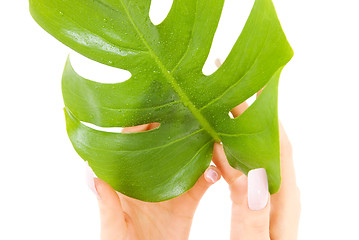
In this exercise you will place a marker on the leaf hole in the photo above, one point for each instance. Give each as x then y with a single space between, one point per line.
231 23
240 109
96 71
139 128
103 129
231 114
159 10
251 100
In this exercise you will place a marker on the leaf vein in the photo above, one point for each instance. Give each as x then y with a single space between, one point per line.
190 161
196 113
140 109
234 156
240 134
106 40
189 44
239 80
141 150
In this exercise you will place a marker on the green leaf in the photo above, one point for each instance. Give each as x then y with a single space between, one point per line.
167 86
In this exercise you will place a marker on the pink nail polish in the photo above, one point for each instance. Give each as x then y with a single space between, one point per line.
211 175
90 179
257 189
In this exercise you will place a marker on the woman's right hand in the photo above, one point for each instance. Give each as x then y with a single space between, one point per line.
255 214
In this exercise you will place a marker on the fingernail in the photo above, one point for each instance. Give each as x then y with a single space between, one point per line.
257 189
90 179
211 176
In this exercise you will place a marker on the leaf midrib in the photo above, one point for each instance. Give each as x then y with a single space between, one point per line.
145 149
196 113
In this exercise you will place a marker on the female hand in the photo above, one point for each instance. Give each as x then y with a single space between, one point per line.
255 214
127 218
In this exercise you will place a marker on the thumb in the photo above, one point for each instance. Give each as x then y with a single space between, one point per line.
251 207
113 221
208 178
187 203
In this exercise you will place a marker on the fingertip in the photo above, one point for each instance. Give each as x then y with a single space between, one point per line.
219 157
238 110
251 192
207 179
153 125
259 92
91 180
99 186
113 217
105 191
258 194
250 209
212 174
139 128
102 190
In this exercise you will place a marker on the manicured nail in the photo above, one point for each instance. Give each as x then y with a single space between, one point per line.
90 179
211 176
257 189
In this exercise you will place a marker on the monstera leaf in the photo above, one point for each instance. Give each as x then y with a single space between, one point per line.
167 86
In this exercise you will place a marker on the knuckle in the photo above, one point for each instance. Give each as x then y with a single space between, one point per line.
258 225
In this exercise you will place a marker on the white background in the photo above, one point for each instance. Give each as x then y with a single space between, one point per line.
42 189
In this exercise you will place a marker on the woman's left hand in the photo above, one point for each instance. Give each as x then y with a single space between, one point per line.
127 218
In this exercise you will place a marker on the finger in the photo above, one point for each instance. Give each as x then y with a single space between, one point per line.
236 111
251 207
219 158
259 92
286 202
286 158
208 178
186 204
139 128
153 126
113 221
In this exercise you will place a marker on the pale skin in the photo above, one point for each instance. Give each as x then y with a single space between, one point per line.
124 218
280 218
